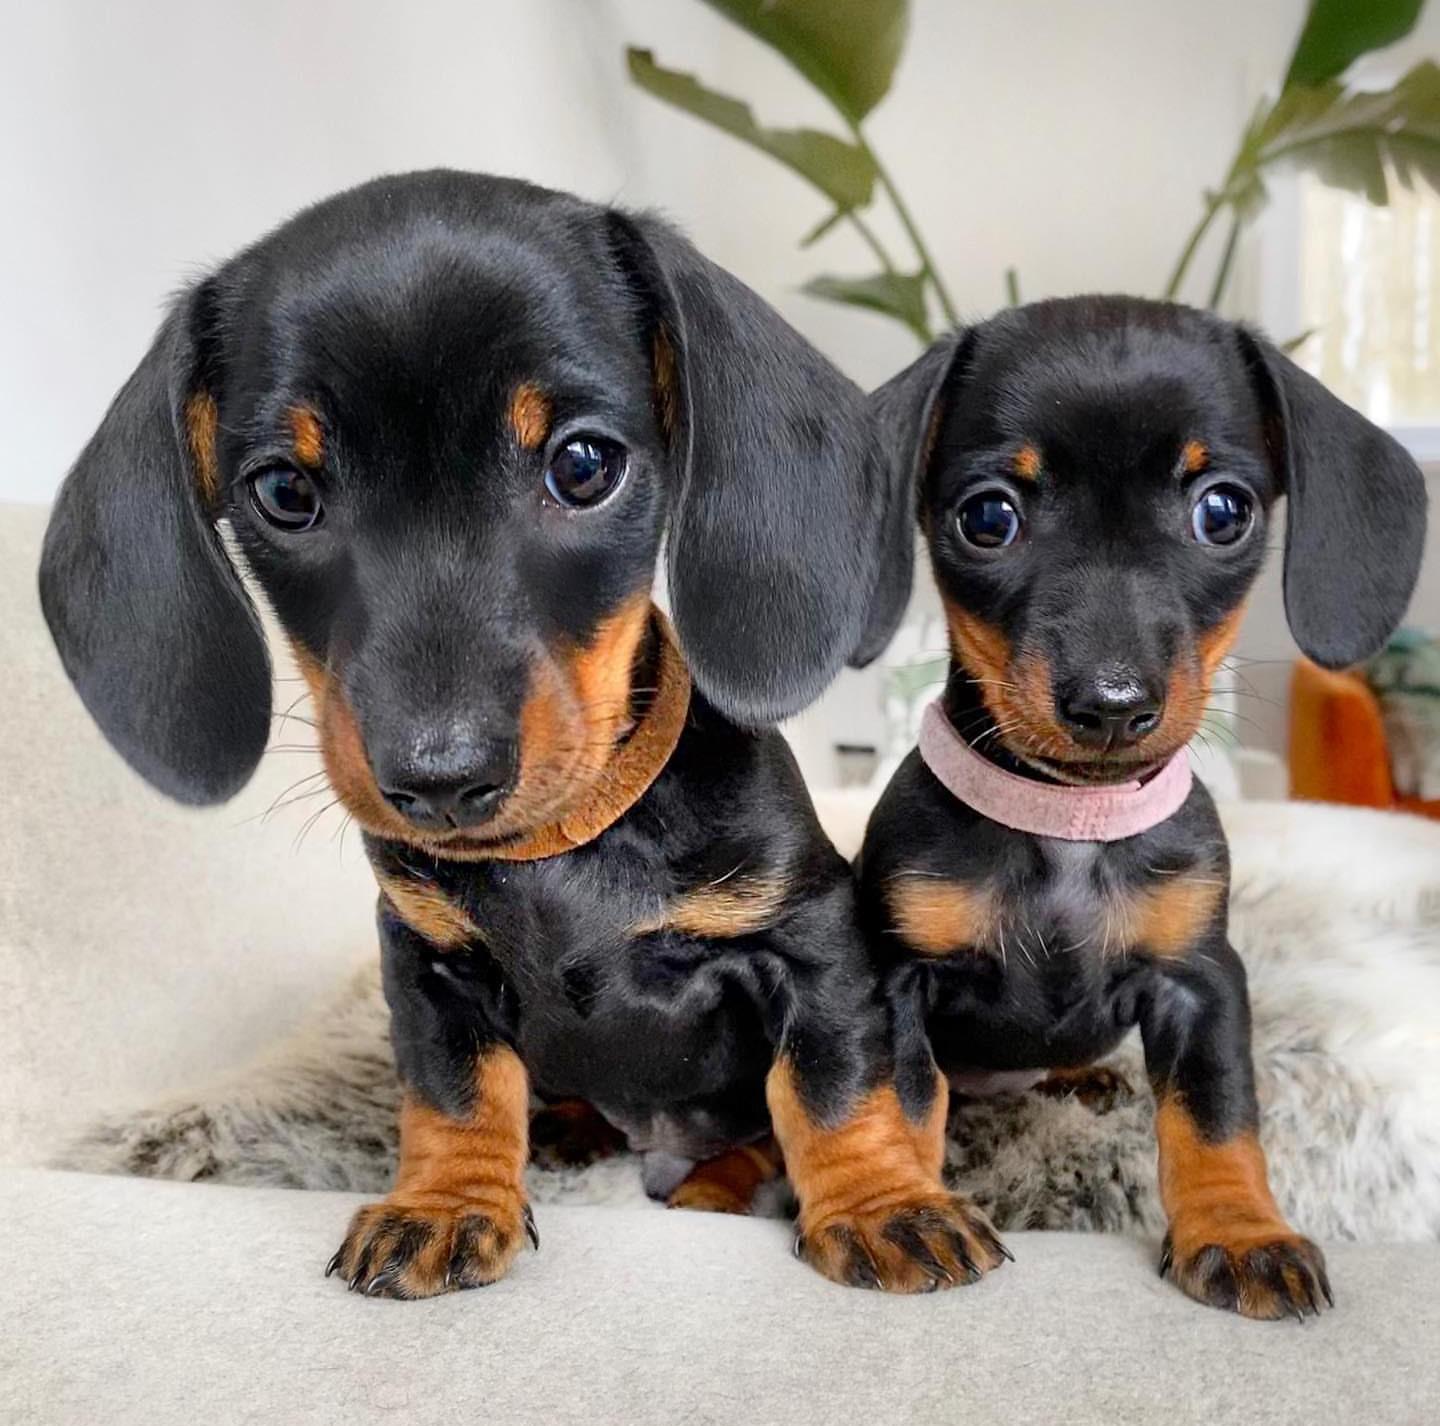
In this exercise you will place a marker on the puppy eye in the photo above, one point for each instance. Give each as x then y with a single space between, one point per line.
989 520
586 471
1222 515
286 498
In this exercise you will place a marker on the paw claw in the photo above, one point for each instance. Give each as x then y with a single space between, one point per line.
358 1274
531 1231
382 1281
1284 1277
937 1242
417 1247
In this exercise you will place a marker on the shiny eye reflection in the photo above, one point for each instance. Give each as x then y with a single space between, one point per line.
1222 516
989 520
586 471
286 498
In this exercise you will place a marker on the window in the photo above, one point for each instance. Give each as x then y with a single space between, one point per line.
1364 282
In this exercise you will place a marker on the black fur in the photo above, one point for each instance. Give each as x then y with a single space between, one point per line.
669 1035
1108 392
405 289
186 701
400 320
1356 528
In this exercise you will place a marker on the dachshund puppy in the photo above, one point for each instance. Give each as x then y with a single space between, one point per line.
1095 478
448 419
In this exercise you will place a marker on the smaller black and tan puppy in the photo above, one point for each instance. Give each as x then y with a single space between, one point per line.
449 420
1094 478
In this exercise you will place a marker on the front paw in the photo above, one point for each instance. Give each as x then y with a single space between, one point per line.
925 1241
1260 1274
420 1245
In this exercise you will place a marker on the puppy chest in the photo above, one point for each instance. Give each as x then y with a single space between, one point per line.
1067 900
614 1004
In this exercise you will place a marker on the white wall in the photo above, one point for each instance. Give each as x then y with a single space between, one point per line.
141 142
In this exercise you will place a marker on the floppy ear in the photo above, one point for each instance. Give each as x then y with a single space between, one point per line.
904 413
772 561
1355 530
149 617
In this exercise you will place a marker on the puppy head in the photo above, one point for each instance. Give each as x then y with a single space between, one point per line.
1095 479
449 420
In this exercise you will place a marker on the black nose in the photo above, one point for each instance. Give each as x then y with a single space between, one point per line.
1112 710
457 784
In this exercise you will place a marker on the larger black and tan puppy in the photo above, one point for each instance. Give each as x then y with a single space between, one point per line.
1094 478
448 419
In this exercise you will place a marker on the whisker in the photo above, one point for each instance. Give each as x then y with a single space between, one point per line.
1229 713
339 832
290 711
292 801
1250 693
734 870
310 822
283 798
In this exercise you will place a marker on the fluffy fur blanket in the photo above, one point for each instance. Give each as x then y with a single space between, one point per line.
1341 934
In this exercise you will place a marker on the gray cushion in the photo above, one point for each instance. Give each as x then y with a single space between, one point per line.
127 1300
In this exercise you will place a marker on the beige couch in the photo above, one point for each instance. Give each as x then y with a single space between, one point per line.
142 947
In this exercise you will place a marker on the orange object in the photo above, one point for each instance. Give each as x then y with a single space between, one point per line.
1337 743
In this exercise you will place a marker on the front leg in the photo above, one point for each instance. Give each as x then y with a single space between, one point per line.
457 1216
873 1209
1227 1243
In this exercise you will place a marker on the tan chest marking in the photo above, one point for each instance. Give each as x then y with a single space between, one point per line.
938 917
428 912
722 911
1169 918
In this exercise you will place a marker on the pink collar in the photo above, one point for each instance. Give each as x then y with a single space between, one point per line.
1075 814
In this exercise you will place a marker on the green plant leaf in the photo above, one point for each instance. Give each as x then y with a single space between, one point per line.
1356 140
895 294
822 227
1338 32
842 171
847 49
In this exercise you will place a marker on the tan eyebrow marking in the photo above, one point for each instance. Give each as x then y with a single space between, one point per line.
667 385
309 436
529 414
201 421
1194 457
1027 462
